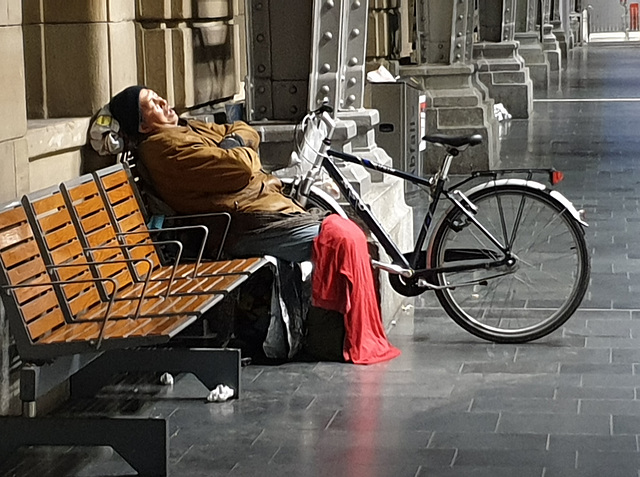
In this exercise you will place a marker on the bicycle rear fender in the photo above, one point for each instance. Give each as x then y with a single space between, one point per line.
561 199
323 198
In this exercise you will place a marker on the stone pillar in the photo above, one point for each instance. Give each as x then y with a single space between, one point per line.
444 47
499 65
529 37
14 161
337 76
549 42
561 28
388 36
334 32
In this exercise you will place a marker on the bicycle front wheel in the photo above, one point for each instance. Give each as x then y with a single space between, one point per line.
523 302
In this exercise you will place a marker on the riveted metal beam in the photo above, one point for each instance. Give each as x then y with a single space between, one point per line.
353 48
324 77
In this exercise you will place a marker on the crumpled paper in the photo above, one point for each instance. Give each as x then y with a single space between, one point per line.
381 75
500 112
221 393
166 379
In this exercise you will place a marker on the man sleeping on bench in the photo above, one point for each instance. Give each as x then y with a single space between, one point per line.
199 167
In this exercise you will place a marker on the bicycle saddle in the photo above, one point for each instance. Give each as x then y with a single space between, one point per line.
454 141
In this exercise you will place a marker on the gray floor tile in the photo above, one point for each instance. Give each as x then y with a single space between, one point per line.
494 441
564 424
582 444
514 458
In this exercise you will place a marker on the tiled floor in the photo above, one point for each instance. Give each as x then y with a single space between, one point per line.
453 405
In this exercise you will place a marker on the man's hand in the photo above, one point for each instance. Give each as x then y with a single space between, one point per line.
231 140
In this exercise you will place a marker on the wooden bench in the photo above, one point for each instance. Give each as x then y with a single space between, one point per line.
42 334
112 226
65 257
83 307
62 248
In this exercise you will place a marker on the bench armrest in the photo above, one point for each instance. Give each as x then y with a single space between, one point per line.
113 295
225 215
82 280
175 242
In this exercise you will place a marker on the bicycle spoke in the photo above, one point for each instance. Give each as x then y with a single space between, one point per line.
549 224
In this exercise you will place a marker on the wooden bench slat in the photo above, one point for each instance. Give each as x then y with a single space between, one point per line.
83 191
73 332
26 271
61 236
45 323
32 309
48 204
10 218
38 286
115 179
101 237
94 222
120 310
118 194
108 253
54 220
111 269
154 288
78 286
27 250
141 251
86 207
126 208
67 252
128 328
69 272
164 327
117 330
151 326
139 235
83 301
133 223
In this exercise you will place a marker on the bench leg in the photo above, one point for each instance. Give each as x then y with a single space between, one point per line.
210 366
143 443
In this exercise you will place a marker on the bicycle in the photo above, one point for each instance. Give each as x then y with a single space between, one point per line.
507 260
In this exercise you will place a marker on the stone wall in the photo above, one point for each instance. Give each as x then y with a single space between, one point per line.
187 50
13 147
77 54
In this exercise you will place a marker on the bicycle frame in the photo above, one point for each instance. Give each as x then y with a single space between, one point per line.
364 212
408 264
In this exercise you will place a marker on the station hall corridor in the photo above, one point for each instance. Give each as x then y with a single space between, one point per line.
451 405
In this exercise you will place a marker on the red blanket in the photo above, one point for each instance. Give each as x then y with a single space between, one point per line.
343 281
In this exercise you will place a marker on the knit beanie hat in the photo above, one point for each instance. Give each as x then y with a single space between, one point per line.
125 107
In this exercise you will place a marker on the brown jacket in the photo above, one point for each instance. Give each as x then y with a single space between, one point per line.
193 175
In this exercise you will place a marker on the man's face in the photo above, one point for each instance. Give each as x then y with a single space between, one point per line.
156 113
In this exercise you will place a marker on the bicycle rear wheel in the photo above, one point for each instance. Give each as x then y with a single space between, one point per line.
534 297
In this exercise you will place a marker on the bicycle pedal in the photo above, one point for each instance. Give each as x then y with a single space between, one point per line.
424 283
